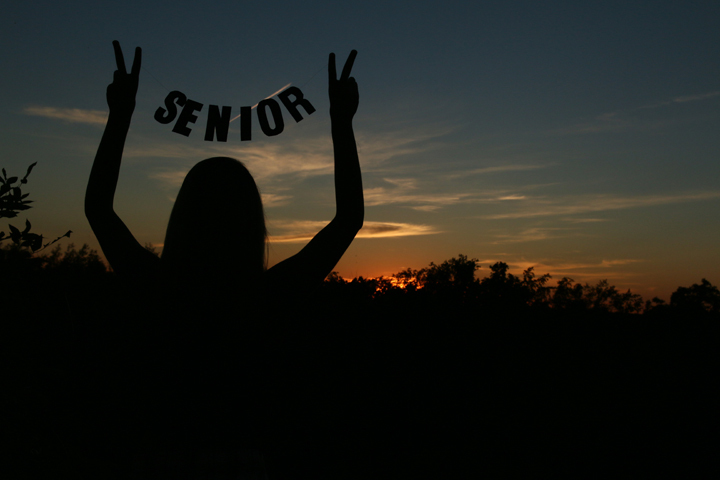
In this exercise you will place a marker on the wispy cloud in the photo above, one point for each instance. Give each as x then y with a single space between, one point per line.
603 264
170 177
587 272
387 196
274 165
174 150
299 159
377 148
530 235
622 119
694 98
383 230
174 178
411 193
288 160
500 169
680 99
579 272
75 115
266 162
540 207
606 122
305 230
584 220
270 200
427 208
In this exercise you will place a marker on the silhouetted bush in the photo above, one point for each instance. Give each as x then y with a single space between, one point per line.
12 201
701 298
454 282
426 374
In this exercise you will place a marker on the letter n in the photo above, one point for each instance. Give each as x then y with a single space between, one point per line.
218 124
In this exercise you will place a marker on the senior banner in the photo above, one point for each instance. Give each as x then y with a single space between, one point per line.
219 118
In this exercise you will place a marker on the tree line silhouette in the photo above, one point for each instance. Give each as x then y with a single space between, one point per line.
429 372
453 280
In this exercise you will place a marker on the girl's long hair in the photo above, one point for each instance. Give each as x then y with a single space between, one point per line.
217 225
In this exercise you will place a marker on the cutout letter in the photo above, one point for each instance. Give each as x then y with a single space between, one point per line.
245 123
187 116
171 111
299 100
276 114
217 123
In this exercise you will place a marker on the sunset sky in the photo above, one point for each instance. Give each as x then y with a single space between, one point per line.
582 138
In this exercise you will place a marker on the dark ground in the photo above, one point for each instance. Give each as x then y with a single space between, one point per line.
92 387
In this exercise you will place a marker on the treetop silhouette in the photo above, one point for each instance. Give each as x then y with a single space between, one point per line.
454 281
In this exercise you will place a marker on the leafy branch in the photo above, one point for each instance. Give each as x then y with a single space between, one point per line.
12 201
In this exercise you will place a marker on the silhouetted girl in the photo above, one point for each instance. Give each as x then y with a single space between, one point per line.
218 203
219 195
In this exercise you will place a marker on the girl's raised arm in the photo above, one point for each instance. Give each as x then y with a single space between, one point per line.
122 251
319 257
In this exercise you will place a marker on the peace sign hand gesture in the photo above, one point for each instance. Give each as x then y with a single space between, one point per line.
344 95
121 92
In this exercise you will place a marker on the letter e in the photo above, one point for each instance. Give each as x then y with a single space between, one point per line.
187 116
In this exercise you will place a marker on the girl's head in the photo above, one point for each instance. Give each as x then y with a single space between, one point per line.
217 225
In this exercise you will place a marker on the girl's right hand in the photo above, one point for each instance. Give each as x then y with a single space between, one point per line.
344 95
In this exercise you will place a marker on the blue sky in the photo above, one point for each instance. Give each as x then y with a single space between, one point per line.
576 137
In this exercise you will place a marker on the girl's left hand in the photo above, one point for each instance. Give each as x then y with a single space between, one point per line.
121 92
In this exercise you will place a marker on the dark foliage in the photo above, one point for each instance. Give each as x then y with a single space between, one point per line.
12 201
697 298
454 280
432 373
